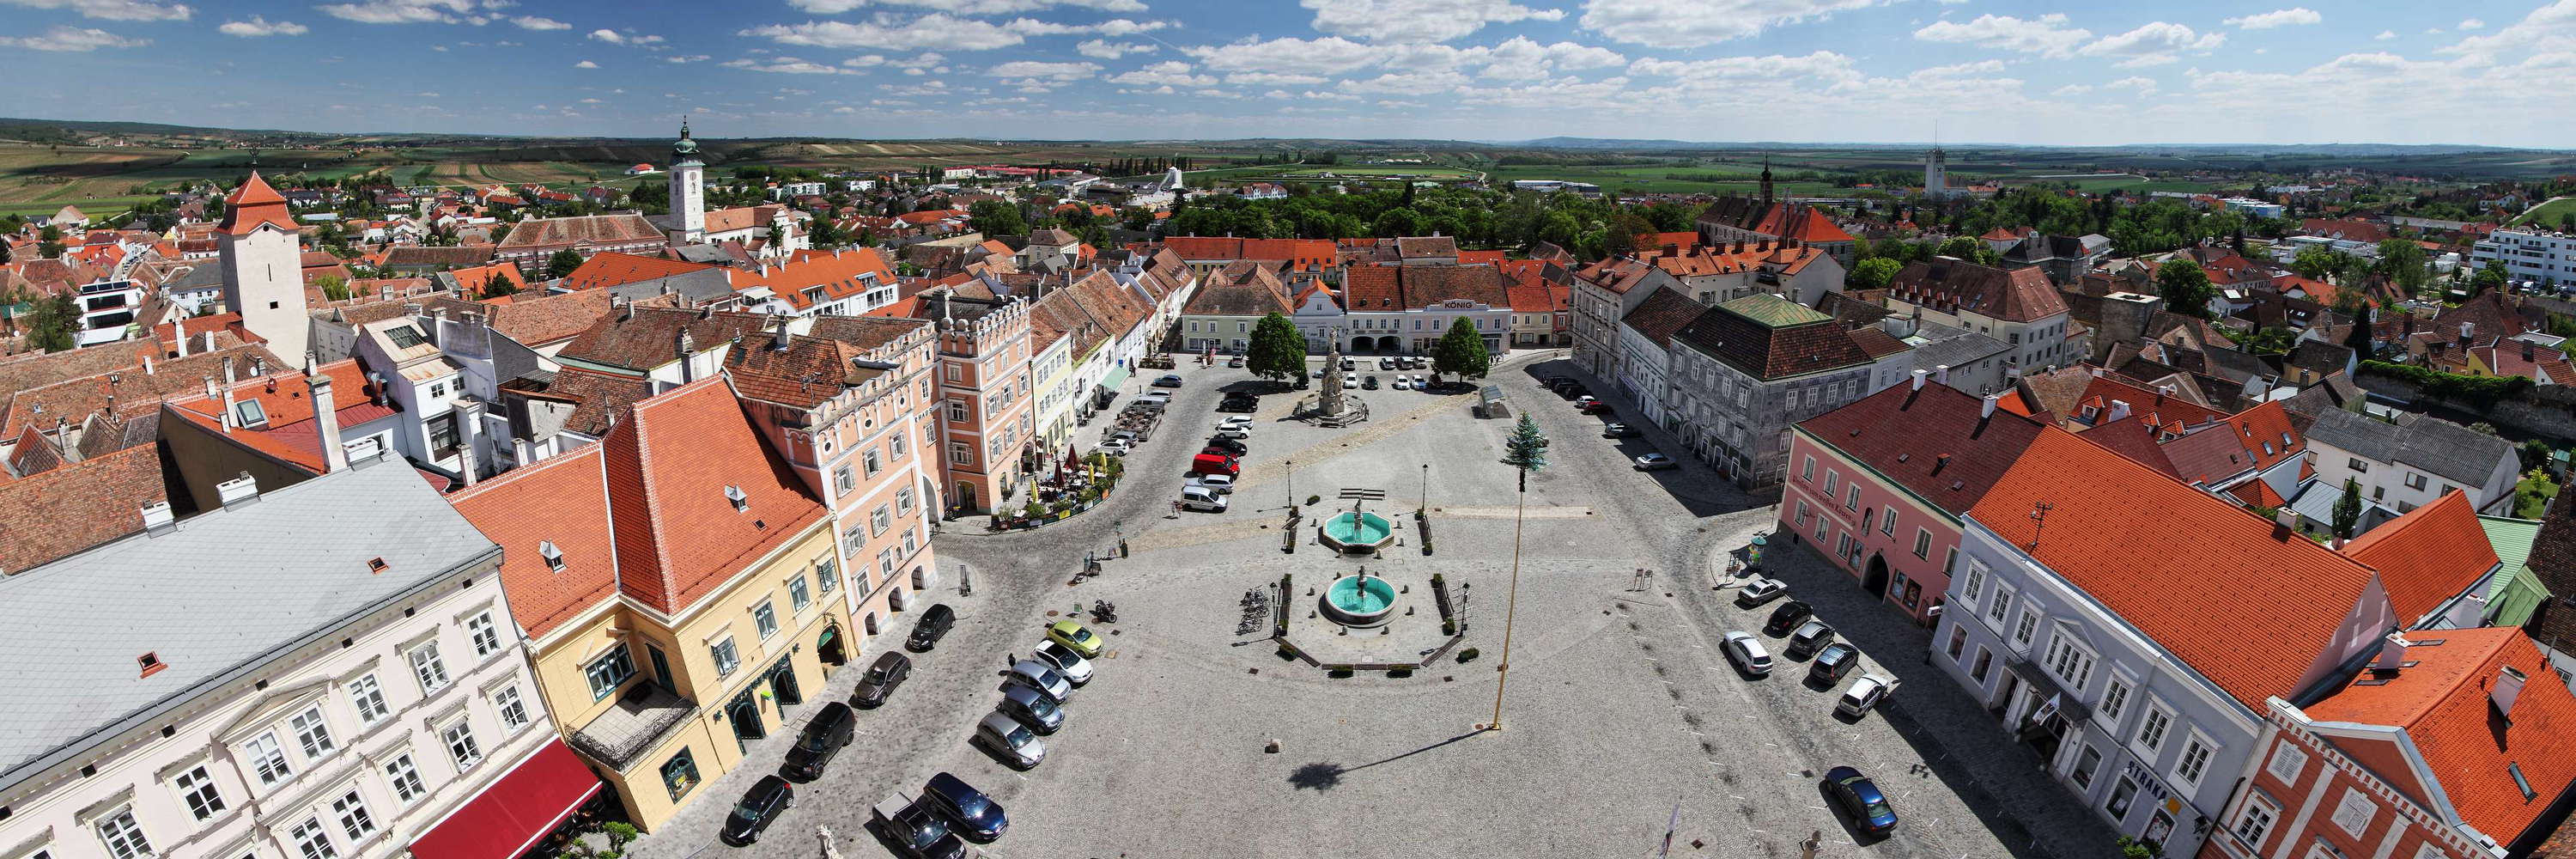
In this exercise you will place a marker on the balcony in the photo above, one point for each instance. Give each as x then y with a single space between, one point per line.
642 717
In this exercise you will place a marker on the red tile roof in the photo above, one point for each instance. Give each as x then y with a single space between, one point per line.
2426 557
669 462
839 273
562 500
2443 701
1936 442
254 204
2012 295
76 505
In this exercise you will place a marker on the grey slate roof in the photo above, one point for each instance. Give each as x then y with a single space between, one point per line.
224 593
2455 452
1957 347
701 286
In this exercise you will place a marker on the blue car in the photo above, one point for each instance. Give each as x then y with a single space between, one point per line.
1861 799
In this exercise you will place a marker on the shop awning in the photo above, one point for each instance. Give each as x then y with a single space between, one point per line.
1115 376
515 811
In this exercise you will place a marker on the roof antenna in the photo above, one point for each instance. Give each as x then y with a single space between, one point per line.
2039 520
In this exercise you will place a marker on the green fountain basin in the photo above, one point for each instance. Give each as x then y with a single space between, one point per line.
1358 532
1359 602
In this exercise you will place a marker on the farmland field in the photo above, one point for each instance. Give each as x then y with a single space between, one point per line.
2547 214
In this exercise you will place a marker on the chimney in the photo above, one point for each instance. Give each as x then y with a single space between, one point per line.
228 420
183 339
157 518
1941 374
2508 686
2468 331
238 491
1918 378
2285 523
2119 410
1989 410
147 359
2526 352
2392 653
1671 249
778 340
326 416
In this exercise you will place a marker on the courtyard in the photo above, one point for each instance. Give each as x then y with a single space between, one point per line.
1621 721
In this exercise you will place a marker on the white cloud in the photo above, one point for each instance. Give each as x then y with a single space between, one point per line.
2143 86
785 66
2277 18
2385 35
1412 82
258 26
686 58
972 7
1271 79
1216 93
1108 50
607 35
1045 70
1330 55
2551 25
1170 72
2047 35
1691 23
2472 24
585 64
2070 90
407 11
1418 20
114 10
536 22
1115 27
884 32
2153 44
72 40
864 61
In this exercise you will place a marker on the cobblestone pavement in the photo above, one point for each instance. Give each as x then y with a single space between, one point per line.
1621 720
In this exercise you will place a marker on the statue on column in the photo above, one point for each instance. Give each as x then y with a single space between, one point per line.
1329 404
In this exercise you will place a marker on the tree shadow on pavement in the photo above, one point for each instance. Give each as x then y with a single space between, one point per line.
1326 775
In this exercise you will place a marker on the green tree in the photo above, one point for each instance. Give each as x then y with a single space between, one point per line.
2491 277
52 326
996 218
1972 249
1526 449
1873 273
2403 261
333 287
1275 351
49 249
2316 262
1461 351
500 285
562 263
2185 288
2347 510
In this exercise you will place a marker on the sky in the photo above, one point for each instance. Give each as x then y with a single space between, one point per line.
1889 71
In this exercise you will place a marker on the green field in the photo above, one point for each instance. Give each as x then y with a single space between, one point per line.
2547 214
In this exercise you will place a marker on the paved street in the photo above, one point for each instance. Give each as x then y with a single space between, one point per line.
1622 718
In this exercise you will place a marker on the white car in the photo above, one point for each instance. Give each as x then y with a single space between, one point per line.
1222 484
1656 462
1115 446
1865 694
1075 669
1747 653
1761 590
1350 380
1401 383
1235 421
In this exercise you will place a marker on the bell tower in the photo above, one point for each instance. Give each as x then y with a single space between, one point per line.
263 267
688 190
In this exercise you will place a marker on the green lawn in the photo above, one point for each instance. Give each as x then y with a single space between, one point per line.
2547 214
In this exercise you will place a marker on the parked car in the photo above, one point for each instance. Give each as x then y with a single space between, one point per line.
920 832
823 738
1861 799
1386 363
889 671
760 805
1242 404
1585 400
1032 707
1761 590
1597 407
1009 740
969 812
1656 462
1202 499
1115 446
1168 380
1748 654
1833 662
1615 429
1234 431
1039 676
1217 483
1810 636
1073 635
1319 372
1066 662
1787 617
1236 361
1348 364
1227 445
1216 463
1368 384
1865 694
1401 383
1235 421
1156 400
932 627
1350 380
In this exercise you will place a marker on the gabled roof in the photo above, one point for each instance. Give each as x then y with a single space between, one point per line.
2428 556
2443 700
1767 337
540 320
584 229
562 500
840 274
669 464
647 337
610 268
1950 283
1663 312
2455 452
255 204
1935 441
77 505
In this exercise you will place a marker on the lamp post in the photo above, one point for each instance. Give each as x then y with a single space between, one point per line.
1511 600
1292 484
1426 488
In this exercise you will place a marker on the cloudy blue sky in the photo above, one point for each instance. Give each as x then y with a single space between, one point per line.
2500 73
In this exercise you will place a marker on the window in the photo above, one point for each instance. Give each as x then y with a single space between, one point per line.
369 698
827 573
2414 481
1802 514
2354 812
2429 851
956 411
885 565
1985 660
1833 482
2114 700
1807 471
198 788
679 774
2022 631
267 758
1976 581
868 460
765 619
480 630
1950 561
2070 660
879 520
797 596
2356 464
609 670
2256 821
461 745
1887 526
426 666
726 657
514 712
1923 543
124 838
310 840
961 453
842 480
2151 732
1958 640
442 434
1851 496
405 779
2195 759
2121 796
312 733
894 448
903 501
2087 762
354 819
2001 606
2287 760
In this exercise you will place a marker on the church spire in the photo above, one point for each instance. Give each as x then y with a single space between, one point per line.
1766 178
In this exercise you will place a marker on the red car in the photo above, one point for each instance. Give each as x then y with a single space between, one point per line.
1596 407
1216 463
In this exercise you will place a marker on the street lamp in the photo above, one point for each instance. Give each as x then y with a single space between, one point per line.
1511 598
1292 484
1426 488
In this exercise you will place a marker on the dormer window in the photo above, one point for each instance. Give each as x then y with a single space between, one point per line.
250 414
740 501
150 662
553 554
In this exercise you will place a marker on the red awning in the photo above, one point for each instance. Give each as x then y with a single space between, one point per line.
522 806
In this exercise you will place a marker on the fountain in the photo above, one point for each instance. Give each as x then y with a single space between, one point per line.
1357 532
1359 600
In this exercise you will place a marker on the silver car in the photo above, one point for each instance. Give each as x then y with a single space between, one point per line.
1066 662
1042 678
1865 694
1031 707
1013 742
1748 654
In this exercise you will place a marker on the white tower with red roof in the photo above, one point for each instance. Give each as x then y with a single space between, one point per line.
263 267
688 224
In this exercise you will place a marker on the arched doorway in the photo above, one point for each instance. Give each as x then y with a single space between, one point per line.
829 649
1875 581
1388 344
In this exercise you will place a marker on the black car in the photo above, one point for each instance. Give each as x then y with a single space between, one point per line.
1833 662
932 627
970 813
1787 617
1169 380
1810 637
823 738
1230 446
1245 405
760 805
888 672
1368 384
922 833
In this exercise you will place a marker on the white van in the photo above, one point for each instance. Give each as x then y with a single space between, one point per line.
1203 498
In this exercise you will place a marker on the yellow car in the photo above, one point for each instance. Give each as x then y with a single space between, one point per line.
1073 635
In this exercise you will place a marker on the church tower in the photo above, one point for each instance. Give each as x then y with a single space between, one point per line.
688 190
263 267
1936 174
1766 179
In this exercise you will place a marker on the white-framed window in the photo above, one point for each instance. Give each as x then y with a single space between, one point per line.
2354 812
1958 641
609 670
842 480
895 447
428 668
798 595
480 630
2122 796
1976 581
123 836
827 573
2287 762
513 709
2152 729
2428 851
2255 821
765 619
727 659
311 840
903 501
405 779
1923 543
267 758
879 520
351 809
2195 759
312 733
2001 606
961 453
2069 659
2028 627
2114 699
1807 471
2087 762
1851 496
461 746
368 697
1833 482
1802 514
197 787
1887 526
956 409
